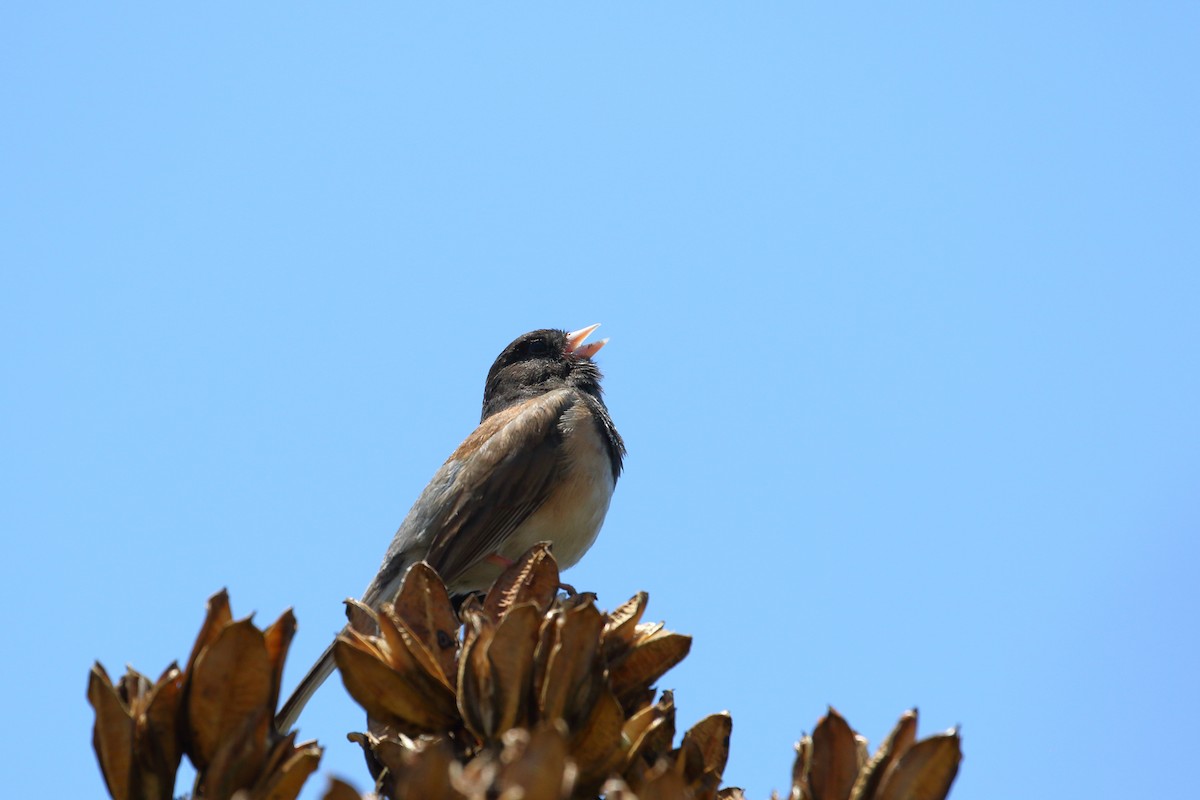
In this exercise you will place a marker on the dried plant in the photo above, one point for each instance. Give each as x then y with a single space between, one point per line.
218 711
832 763
528 665
524 693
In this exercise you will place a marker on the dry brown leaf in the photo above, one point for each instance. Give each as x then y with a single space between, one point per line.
510 658
217 616
897 742
373 645
596 745
688 761
925 771
133 688
834 758
238 757
535 764
424 606
229 683
156 741
547 637
573 645
661 734
278 638
112 736
390 646
533 578
663 782
424 772
475 679
408 656
645 663
801 789
360 617
340 790
387 695
711 737
636 725
286 781
621 625
654 742
279 753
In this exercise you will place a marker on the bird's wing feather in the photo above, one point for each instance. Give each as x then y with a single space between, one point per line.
497 478
507 474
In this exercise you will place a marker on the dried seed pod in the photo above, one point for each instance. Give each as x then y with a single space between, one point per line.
278 638
228 688
361 618
533 578
834 758
897 742
621 624
542 697
408 655
340 790
709 739
650 732
393 697
536 765
475 675
217 616
663 781
924 771
510 657
801 767
287 768
569 648
424 769
135 735
496 669
653 652
596 744
424 607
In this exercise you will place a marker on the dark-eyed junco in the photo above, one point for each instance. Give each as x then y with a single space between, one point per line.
541 466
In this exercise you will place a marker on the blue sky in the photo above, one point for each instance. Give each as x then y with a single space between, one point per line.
904 316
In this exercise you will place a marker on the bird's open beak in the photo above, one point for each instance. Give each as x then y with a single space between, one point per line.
576 347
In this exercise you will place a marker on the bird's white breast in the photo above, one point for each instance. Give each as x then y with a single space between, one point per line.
571 517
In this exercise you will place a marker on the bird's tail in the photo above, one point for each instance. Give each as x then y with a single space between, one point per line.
308 686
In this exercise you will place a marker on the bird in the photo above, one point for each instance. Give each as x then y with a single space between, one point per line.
540 467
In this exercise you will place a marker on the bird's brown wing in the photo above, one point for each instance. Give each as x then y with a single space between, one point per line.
506 470
500 475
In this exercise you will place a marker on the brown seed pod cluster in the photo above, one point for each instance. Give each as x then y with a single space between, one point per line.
533 684
524 693
219 711
833 763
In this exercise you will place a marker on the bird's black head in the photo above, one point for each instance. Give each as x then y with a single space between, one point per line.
539 362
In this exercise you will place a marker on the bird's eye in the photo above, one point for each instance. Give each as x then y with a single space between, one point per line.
538 347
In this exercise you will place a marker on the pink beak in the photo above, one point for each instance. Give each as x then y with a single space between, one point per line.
576 347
